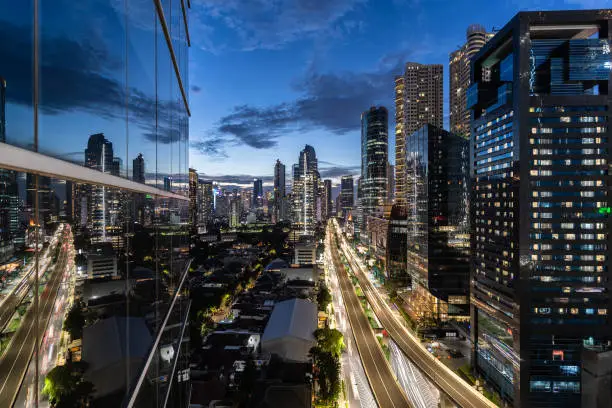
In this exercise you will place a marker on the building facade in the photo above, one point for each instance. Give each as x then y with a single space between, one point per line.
347 195
438 229
305 191
459 78
70 132
540 150
419 100
374 160
279 193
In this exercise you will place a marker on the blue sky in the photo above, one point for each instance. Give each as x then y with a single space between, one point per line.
269 76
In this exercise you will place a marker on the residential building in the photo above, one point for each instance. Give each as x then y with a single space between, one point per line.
374 161
438 228
280 193
205 202
459 78
419 100
539 210
74 131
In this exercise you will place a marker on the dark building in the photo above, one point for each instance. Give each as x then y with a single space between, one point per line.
205 202
397 245
99 153
2 110
167 183
138 169
374 160
438 230
193 198
279 210
45 197
540 153
347 194
327 197
257 193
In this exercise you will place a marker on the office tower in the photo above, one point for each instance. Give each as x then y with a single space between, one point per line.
138 169
347 195
459 78
304 192
327 198
168 183
438 229
390 183
397 245
279 192
418 101
257 193
540 155
374 161
45 198
193 198
2 110
205 202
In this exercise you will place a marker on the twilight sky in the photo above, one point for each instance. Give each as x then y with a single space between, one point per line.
268 76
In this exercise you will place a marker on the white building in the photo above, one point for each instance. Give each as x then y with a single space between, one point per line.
289 332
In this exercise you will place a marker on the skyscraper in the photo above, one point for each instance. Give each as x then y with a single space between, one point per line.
193 197
459 78
257 193
438 230
540 155
2 110
347 195
304 192
374 160
419 101
327 198
205 202
390 183
138 169
280 193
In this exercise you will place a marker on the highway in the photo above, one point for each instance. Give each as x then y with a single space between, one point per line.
450 383
15 360
387 391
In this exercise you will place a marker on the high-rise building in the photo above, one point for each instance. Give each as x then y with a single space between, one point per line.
2 110
347 195
540 268
205 202
168 183
374 160
193 197
459 78
305 191
235 211
138 169
280 193
419 100
397 245
327 198
438 229
257 193
390 183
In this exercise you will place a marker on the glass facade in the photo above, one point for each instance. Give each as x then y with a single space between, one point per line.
95 112
438 229
539 276
374 159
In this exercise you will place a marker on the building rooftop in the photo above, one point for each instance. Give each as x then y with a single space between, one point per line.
292 318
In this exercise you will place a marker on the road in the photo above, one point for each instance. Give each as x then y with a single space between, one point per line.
386 390
458 390
15 361
357 388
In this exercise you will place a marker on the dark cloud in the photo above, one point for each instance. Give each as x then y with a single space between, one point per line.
331 102
214 147
272 24
80 76
338 171
195 89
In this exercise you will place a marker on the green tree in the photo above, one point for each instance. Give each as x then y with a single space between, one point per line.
324 297
329 341
75 320
65 386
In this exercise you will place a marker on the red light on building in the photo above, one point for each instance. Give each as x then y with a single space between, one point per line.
558 355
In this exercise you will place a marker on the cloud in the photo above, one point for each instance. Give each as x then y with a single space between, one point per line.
331 102
195 89
214 147
338 171
265 24
243 180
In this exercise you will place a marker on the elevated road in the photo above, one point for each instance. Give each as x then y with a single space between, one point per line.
16 359
445 379
387 391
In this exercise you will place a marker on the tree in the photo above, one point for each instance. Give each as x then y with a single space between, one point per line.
329 341
65 386
75 320
324 297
